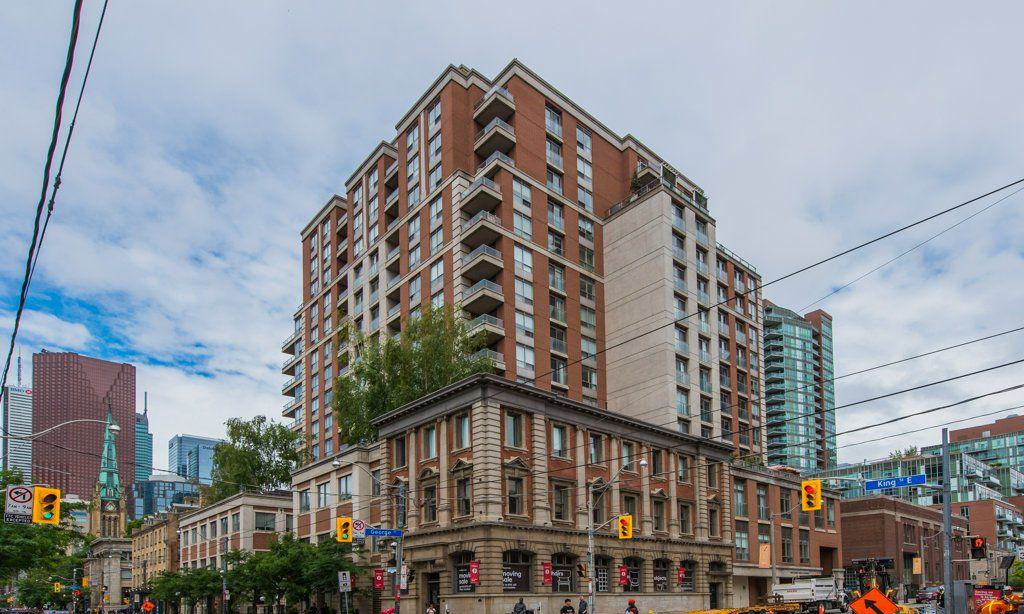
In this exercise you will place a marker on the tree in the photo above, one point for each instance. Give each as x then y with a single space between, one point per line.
325 560
132 525
1016 575
259 455
905 453
434 350
200 584
28 546
168 587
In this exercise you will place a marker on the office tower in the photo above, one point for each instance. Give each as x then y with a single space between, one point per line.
799 389
69 387
191 456
16 419
143 447
554 235
161 492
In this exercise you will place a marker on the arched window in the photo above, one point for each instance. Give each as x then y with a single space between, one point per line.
634 570
661 571
563 573
603 573
460 567
688 582
515 571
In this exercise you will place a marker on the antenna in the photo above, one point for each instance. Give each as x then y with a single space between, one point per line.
145 403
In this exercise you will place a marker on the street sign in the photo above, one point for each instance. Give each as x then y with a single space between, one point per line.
1020 553
371 532
18 506
358 529
897 482
874 602
344 582
147 606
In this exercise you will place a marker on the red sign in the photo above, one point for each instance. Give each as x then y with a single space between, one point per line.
983 595
147 606
474 572
680 575
623 575
378 579
546 571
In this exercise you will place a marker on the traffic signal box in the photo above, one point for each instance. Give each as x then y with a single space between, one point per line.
810 495
56 587
46 505
343 526
979 547
626 526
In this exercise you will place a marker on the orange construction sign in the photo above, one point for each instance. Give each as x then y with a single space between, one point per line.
874 602
147 606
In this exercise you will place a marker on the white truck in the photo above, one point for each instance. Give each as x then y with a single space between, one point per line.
811 593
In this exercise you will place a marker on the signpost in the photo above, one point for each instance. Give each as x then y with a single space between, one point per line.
345 584
874 602
897 482
358 529
18 507
372 532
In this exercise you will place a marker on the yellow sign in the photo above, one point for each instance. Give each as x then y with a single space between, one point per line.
85 582
874 602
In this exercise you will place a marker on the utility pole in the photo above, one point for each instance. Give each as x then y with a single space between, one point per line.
947 524
398 575
590 549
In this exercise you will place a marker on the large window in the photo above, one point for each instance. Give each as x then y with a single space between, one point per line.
515 495
742 541
430 442
561 497
559 441
461 431
634 569
264 521
658 513
303 501
739 488
595 451
686 519
400 457
661 574
430 502
463 495
513 429
689 584
515 571
460 565
563 573
345 487
553 120
524 357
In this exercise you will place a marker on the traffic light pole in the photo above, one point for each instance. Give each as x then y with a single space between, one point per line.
590 550
947 525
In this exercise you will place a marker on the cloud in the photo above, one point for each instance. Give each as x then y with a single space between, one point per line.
46 330
205 144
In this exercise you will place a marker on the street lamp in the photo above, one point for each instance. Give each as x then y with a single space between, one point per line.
112 427
590 532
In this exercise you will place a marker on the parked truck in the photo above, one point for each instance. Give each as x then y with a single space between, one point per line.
812 594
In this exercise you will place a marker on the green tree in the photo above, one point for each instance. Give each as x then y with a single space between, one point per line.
132 525
201 584
434 350
1016 575
324 562
28 546
259 455
168 587
35 590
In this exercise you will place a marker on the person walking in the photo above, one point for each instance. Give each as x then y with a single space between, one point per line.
631 607
567 608
519 608
584 607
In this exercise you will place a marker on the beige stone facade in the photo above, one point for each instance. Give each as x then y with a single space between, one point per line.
154 549
245 521
108 565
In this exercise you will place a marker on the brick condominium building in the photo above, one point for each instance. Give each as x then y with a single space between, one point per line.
556 236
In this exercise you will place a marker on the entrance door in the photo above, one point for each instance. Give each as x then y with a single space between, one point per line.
716 591
433 589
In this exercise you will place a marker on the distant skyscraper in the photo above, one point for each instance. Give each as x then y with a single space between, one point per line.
16 419
67 386
143 447
161 491
801 401
191 456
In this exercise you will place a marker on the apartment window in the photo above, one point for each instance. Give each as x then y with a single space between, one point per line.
589 379
554 181
553 120
463 496
524 357
586 199
371 180
657 463
414 255
785 505
524 291
430 503
586 258
559 441
588 318
413 174
522 225
584 171
554 153
556 215
742 541
434 116
236 518
524 324
373 235
437 299
658 512
556 243
414 229
436 271
595 448
412 139
712 475
414 290
588 347
430 442
683 470
516 494
630 505
434 151
436 210
560 496
434 179
763 511
588 289
557 310
264 521
224 525
521 193
685 519
400 457
513 430
805 546
436 239
345 487
627 456
714 522
830 512
523 259
683 404
583 144
558 371
739 492
586 229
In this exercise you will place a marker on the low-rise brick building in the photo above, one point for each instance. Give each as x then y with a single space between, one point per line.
886 527
1001 523
154 550
775 541
245 521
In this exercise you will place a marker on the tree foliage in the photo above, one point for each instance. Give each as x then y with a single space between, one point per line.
259 455
434 350
30 546
908 452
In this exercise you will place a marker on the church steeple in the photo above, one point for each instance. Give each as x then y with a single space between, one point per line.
109 482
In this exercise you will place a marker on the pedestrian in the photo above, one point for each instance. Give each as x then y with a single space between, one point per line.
567 608
631 607
519 608
583 608
431 609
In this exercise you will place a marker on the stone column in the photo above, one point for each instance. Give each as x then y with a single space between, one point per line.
412 506
581 491
444 507
487 470
672 460
614 462
646 522
539 466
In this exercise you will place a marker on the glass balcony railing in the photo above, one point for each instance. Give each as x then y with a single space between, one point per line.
705 356
482 320
682 347
679 284
480 286
497 122
498 155
682 378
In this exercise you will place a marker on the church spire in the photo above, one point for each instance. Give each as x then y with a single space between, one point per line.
109 482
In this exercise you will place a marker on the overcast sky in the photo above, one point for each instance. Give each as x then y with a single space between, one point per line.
212 132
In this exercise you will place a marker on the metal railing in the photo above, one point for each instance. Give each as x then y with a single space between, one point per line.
491 93
483 320
483 216
480 286
497 122
483 250
497 155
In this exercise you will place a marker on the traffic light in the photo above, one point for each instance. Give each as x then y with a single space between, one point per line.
56 587
344 528
85 582
626 526
979 547
46 505
810 495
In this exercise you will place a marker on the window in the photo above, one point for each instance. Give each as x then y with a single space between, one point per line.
436 240
553 120
554 181
524 291
584 171
412 139
556 277
437 299
436 272
595 449
414 229
583 144
805 546
513 430
683 469
556 215
787 544
515 571
236 518
556 243
413 169
586 257
436 210
400 458
586 228
524 357
589 379
627 456
523 259
430 442
630 505
430 503
763 512
785 507
560 506
586 199
524 324
559 441
264 521
345 487
515 496
461 431
557 312
742 541
303 501
739 490
714 524
321 495
689 574
588 318
712 469
463 496
587 288
434 116
224 525
588 347
830 512
554 153
559 371
414 290
521 193
634 569
522 225
434 155
685 519
658 511
414 255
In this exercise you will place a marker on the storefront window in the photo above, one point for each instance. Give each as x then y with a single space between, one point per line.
688 585
563 578
515 571
634 568
661 567
460 564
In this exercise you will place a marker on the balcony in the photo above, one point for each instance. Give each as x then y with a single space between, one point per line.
704 327
497 102
705 356
291 406
482 229
679 223
559 346
292 383
290 341
703 298
289 363
496 358
481 195
703 239
724 354
679 284
391 175
682 378
648 171
705 386
482 263
482 297
702 268
393 253
498 135
682 347
491 159
489 326
679 253
722 275
296 424
394 310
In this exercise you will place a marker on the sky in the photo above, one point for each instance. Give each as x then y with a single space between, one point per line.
211 133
